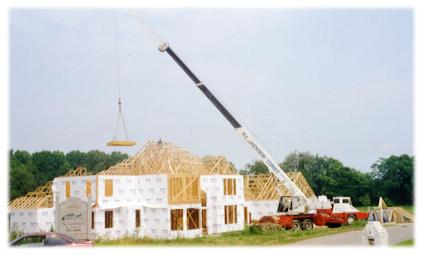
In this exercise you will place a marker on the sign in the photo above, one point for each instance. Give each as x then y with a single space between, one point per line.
73 218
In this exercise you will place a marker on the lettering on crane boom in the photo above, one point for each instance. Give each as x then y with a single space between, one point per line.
268 162
260 152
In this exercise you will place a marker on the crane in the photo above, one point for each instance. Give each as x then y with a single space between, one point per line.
296 210
304 204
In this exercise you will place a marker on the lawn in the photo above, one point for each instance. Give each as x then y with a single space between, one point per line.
409 242
408 208
251 235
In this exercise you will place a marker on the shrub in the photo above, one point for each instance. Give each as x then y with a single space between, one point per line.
364 200
14 234
271 227
254 229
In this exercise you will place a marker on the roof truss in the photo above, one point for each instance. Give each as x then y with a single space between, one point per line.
166 158
42 197
267 187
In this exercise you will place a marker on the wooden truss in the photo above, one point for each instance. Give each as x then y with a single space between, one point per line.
165 158
392 214
267 187
218 165
80 171
42 197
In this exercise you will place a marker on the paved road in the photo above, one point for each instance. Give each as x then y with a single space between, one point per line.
397 234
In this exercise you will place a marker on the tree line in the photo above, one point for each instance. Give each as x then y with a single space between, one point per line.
391 178
28 170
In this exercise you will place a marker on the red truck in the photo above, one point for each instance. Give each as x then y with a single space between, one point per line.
340 212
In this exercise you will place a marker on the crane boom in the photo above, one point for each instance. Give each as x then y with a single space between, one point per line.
248 137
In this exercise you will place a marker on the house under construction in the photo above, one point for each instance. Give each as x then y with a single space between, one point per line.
161 192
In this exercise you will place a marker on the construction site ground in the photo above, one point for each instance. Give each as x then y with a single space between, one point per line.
248 237
397 234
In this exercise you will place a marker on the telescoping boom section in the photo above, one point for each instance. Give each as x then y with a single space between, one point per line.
267 159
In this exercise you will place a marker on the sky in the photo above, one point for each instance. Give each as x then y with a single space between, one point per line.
332 82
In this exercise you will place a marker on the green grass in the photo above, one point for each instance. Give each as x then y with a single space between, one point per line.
409 242
408 208
363 208
251 236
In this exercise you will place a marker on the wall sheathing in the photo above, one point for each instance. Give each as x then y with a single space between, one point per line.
34 212
148 193
142 183
31 220
216 201
77 187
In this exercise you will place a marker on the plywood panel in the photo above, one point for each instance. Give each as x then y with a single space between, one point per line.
184 189
108 191
68 189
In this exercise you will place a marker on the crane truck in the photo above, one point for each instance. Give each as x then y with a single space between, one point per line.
296 211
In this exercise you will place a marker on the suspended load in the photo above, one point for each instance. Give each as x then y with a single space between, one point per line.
121 143
115 141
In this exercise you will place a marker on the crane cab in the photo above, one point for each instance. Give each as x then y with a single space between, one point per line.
291 205
342 200
342 204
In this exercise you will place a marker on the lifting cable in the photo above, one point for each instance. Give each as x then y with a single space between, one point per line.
120 113
152 35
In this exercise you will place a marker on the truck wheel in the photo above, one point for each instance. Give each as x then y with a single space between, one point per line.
296 225
351 219
307 224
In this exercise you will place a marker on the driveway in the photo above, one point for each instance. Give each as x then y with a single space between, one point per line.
397 234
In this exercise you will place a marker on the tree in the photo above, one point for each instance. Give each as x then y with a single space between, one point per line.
310 166
28 171
393 178
365 200
49 165
21 157
116 157
256 167
21 181
328 176
76 159
96 161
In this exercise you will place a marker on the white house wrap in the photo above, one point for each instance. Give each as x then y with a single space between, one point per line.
161 192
